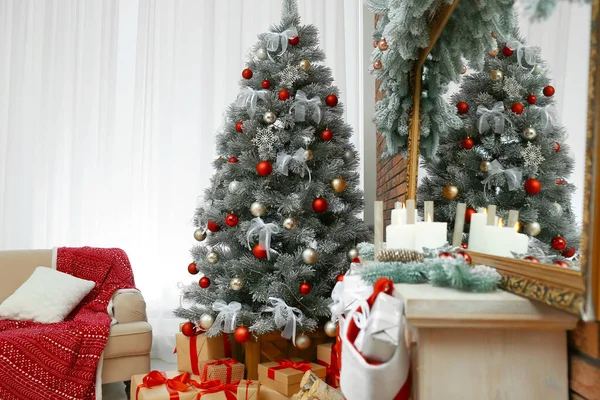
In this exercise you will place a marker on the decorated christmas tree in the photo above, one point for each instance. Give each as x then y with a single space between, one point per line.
279 223
510 152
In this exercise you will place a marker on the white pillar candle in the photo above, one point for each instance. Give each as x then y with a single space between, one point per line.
430 234
504 241
399 216
476 239
400 237
459 224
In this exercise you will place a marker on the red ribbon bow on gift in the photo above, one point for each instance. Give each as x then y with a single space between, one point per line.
216 386
227 363
333 373
180 383
283 364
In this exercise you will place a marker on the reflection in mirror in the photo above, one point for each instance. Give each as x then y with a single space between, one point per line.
517 160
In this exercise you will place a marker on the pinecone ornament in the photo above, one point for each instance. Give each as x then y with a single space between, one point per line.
399 255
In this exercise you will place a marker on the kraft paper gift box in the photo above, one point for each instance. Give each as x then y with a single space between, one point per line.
242 390
329 359
284 376
272 394
226 370
192 350
161 385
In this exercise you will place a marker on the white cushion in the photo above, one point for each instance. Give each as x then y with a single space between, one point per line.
47 296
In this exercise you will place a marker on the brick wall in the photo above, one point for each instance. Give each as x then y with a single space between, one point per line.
584 361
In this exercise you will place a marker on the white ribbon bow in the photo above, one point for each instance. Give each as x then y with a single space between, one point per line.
301 103
274 38
548 115
225 320
257 225
514 176
284 160
497 112
249 98
527 52
337 304
285 315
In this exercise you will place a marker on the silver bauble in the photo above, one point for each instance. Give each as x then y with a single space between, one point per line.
496 75
302 342
236 284
349 155
484 166
556 210
234 186
269 117
352 254
533 229
310 256
529 133
538 70
330 328
206 321
212 258
261 54
257 209
289 223
304 65
200 234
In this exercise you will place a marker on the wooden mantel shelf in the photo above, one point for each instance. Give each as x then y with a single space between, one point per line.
434 307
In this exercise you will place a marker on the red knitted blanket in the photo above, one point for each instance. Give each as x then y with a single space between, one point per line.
59 361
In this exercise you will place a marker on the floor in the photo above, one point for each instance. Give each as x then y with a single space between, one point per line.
116 391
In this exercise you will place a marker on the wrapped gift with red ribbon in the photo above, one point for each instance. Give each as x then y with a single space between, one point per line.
284 375
159 385
327 357
226 370
192 350
238 390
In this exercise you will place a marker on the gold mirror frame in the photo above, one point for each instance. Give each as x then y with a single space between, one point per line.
558 287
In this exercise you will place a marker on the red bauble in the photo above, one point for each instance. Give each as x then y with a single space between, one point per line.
264 168
259 252
320 205
517 108
213 226
339 278
468 213
549 91
568 252
331 100
266 84
305 288
247 73
467 143
533 186
295 41
231 220
444 255
560 181
464 246
239 126
204 282
532 259
188 329
233 159
241 334
356 260
193 268
531 99
556 147
326 135
284 94
462 107
558 243
464 255
561 263
507 51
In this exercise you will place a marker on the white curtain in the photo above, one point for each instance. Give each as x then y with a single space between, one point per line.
107 117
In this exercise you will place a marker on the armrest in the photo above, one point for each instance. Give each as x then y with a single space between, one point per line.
129 306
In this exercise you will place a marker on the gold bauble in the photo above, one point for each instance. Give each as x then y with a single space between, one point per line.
236 284
212 258
450 192
494 35
289 223
310 256
353 253
309 155
206 321
383 46
484 166
377 64
338 185
302 342
199 234
493 53
376 43
330 328
257 209
496 75
464 70
305 65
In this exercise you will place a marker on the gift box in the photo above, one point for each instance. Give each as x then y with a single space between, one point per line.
239 390
284 376
226 370
192 350
163 386
328 357
272 394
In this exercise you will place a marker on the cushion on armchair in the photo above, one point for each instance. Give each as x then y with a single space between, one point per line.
48 296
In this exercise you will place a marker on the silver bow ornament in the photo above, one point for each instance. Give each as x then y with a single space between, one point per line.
285 316
274 39
497 113
523 52
514 176
249 98
548 115
265 231
302 104
227 314
284 160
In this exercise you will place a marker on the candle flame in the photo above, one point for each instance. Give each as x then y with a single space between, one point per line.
500 223
429 218
518 227
485 210
403 205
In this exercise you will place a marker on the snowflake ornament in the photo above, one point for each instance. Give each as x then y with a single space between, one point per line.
290 75
532 155
512 88
265 140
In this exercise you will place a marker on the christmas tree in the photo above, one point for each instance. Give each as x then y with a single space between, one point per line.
279 223
510 151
